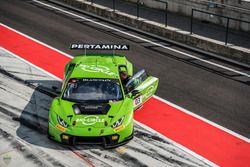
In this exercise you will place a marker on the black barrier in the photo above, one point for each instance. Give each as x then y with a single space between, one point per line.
114 5
214 14
138 8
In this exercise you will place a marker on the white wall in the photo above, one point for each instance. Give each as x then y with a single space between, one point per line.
239 9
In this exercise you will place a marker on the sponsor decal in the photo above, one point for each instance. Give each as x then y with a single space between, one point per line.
99 46
89 120
99 68
149 92
61 128
97 79
119 128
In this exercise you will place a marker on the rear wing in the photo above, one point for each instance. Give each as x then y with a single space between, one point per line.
75 46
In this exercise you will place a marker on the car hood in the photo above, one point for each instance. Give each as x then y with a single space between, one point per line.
98 115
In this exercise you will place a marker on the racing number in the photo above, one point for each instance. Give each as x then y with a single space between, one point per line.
137 101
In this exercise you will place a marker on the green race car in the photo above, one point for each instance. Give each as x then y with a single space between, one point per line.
95 106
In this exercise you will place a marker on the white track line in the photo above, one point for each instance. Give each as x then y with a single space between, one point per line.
145 40
140 124
159 98
27 62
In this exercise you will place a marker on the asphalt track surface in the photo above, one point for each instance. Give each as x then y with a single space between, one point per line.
213 93
216 94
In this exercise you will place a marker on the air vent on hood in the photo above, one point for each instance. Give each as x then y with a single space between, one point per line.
91 109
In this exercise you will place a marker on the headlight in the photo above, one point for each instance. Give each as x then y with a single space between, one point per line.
118 122
76 109
62 122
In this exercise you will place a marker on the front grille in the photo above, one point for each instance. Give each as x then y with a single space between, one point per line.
89 140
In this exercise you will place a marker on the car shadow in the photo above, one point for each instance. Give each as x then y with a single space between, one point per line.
34 118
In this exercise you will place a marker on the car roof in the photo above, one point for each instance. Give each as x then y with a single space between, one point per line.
98 66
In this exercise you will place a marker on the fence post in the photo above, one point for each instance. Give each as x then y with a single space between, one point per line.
137 14
227 31
114 5
166 15
92 1
191 24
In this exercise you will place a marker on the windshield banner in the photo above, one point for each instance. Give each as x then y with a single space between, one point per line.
96 79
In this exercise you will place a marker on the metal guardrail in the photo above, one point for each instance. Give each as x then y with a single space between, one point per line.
139 3
214 14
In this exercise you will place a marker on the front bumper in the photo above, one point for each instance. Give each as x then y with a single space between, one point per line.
105 141
108 139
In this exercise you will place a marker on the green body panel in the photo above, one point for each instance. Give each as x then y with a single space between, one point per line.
98 66
147 89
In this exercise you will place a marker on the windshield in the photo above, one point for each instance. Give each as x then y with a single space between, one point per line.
93 90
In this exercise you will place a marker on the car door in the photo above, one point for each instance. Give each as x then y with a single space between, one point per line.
141 87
